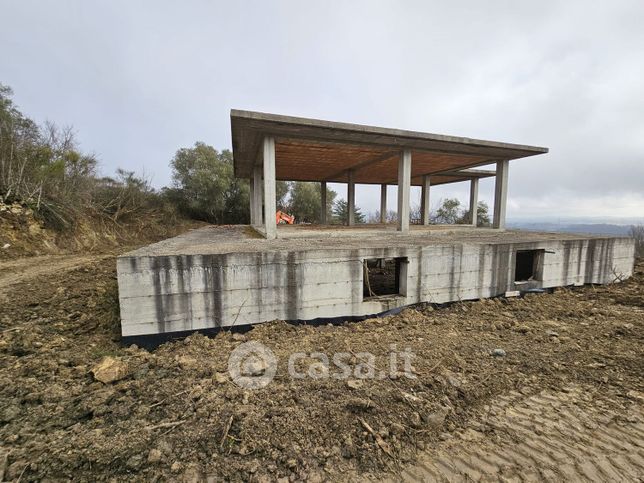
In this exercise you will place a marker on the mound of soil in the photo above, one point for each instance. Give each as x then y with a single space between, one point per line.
23 234
175 412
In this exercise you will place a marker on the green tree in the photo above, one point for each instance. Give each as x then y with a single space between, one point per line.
305 200
205 188
341 213
449 212
482 215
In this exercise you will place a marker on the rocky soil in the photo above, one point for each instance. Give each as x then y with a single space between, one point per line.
75 404
24 234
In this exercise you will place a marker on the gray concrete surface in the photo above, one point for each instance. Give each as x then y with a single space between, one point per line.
225 275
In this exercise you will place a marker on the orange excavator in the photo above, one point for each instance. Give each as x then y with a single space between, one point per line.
282 217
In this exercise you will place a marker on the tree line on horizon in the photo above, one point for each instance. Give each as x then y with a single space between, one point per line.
42 166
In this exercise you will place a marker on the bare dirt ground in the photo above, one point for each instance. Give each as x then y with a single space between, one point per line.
563 403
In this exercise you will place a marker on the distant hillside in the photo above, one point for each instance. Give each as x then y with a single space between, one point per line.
595 228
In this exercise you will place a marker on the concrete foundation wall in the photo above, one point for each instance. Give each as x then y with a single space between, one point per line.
161 294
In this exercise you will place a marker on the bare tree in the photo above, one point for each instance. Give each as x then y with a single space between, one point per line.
637 232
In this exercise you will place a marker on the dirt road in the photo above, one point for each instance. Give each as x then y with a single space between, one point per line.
30 268
563 403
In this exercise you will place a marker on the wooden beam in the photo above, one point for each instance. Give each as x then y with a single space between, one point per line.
362 164
469 173
464 173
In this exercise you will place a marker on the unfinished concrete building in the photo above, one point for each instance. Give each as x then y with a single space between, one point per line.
223 276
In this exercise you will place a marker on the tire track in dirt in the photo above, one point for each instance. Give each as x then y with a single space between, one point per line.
551 436
25 269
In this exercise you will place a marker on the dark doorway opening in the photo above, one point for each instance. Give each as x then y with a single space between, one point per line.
527 267
382 276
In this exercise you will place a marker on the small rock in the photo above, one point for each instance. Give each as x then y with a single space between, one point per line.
10 413
110 370
239 337
452 380
192 474
254 366
357 403
436 419
552 333
164 447
410 397
154 456
415 420
6 245
187 362
176 467
397 428
221 377
134 462
498 353
354 383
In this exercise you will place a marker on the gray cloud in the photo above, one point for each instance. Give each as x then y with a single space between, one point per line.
140 79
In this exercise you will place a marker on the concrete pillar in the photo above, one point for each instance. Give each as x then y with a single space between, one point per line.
251 200
257 195
424 200
323 220
474 200
270 225
404 186
500 193
383 203
351 201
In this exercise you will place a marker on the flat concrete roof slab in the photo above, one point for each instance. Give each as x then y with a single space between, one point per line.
222 239
317 150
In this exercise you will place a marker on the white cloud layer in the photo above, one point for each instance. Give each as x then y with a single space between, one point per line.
140 79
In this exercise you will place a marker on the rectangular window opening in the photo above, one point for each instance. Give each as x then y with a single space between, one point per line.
383 277
528 265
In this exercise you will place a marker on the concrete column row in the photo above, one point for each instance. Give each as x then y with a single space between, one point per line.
265 191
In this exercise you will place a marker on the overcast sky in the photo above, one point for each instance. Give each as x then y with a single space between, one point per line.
140 79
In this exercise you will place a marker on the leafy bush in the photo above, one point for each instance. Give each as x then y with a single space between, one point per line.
205 188
43 168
